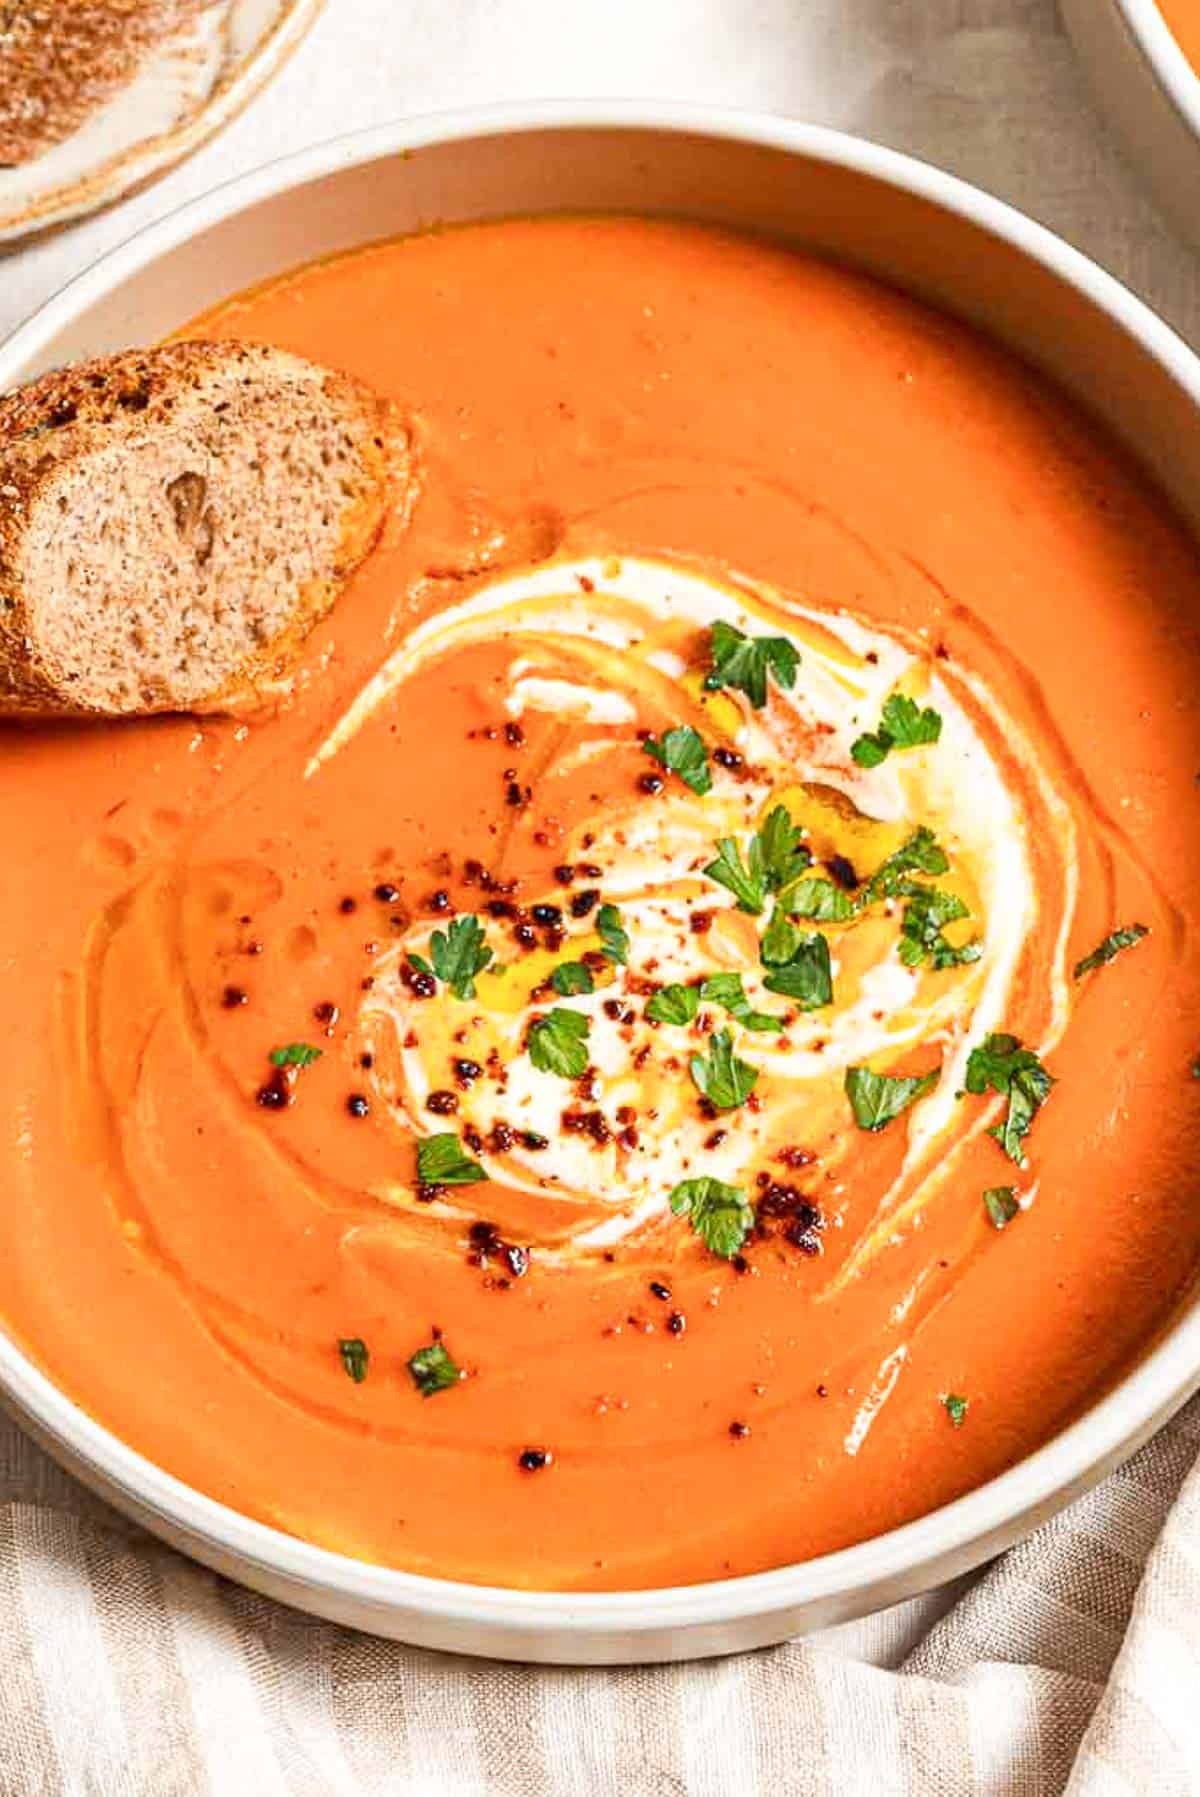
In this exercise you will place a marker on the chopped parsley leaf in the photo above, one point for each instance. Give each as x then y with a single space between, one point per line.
458 955
296 1054
355 1357
745 879
1000 1203
876 1098
572 977
441 1162
817 899
724 1080
743 661
719 1214
614 938
956 1407
926 915
674 1004
1110 948
558 1042
806 975
922 854
1016 1073
903 725
433 1370
681 751
782 854
779 940
726 989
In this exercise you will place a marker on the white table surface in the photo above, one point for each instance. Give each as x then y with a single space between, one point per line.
987 88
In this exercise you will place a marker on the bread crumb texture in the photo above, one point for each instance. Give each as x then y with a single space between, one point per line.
174 521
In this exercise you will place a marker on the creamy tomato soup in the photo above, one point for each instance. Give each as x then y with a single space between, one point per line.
671 1051
1183 18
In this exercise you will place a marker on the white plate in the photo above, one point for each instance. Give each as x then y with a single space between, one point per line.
184 92
1149 89
924 231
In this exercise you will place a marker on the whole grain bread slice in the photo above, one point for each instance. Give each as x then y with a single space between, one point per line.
173 522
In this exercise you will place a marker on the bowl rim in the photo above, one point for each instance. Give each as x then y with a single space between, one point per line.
956 1534
1148 27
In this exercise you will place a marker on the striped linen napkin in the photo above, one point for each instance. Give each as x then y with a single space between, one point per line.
1072 1664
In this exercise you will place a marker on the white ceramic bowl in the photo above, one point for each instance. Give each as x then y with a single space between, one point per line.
918 228
1149 89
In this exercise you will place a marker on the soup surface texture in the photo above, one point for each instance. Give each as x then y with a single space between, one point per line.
1183 18
597 1088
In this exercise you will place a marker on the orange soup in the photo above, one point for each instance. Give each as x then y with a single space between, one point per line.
1183 19
671 1051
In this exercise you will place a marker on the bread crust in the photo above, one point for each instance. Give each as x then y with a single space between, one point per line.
55 424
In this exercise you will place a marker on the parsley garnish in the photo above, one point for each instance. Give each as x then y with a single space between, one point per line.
781 849
745 879
806 975
682 751
926 915
674 1004
742 661
779 942
903 725
355 1357
819 900
433 1370
922 854
457 956
558 1042
296 1054
441 1162
719 1214
1110 948
1000 1203
956 1407
775 856
726 990
724 1080
1001 1063
614 939
876 1098
572 977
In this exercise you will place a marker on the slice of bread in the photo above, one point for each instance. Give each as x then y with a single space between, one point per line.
174 521
62 60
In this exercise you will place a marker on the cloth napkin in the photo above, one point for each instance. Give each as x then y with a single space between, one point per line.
1073 1662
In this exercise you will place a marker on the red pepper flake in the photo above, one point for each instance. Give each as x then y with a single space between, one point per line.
386 893
439 901
357 1105
701 922
676 1322
233 996
661 1291
347 905
564 873
327 1013
739 1430
467 1071
651 783
442 1104
532 1460
279 1090
514 736
728 758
